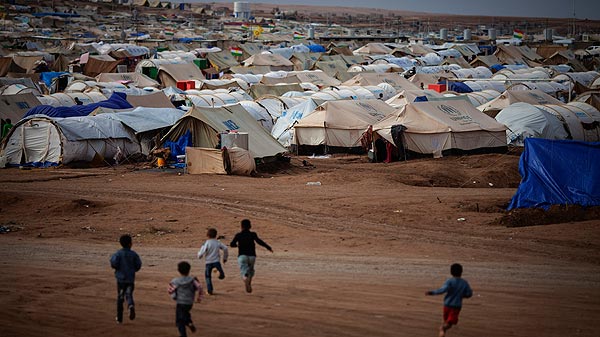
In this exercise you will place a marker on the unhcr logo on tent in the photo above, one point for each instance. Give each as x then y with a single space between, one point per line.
369 109
449 110
455 114
230 125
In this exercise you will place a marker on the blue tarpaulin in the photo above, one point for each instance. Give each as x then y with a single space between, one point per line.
558 172
316 48
497 67
458 87
116 101
178 147
48 76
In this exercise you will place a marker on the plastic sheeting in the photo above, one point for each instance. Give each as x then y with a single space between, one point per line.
116 101
259 113
524 121
558 172
282 128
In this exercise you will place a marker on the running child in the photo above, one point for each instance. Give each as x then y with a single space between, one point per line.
183 290
211 249
456 289
126 263
244 240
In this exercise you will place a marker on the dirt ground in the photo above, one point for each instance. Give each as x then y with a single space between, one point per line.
352 256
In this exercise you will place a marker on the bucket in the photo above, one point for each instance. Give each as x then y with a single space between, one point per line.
160 162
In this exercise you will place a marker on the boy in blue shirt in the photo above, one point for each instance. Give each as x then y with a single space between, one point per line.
126 263
456 289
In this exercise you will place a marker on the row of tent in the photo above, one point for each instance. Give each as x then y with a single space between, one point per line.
429 126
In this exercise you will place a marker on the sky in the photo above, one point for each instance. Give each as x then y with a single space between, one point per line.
584 9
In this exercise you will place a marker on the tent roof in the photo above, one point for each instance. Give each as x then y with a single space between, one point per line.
182 72
509 97
235 118
396 80
373 48
347 114
222 60
146 119
153 100
16 106
138 79
439 117
273 60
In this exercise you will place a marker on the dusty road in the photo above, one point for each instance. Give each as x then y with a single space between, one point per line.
352 257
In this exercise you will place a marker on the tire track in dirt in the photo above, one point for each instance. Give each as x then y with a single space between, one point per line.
315 222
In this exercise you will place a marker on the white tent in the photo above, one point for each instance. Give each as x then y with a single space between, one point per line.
581 120
433 127
478 98
340 123
282 130
524 120
146 122
259 113
406 97
43 141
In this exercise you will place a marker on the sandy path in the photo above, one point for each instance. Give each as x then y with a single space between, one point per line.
353 257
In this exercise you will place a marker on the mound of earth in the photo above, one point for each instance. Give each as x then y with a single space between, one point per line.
522 217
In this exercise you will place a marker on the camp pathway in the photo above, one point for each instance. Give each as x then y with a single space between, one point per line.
56 287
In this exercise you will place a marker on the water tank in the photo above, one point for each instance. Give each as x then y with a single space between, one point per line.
548 32
467 35
492 33
241 10
311 33
444 34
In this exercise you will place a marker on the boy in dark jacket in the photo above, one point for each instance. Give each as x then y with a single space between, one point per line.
126 263
244 240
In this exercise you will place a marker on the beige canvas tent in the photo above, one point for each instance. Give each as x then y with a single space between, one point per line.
485 61
373 49
332 68
5 63
222 60
257 70
97 64
434 127
26 62
16 106
204 123
260 90
304 61
138 79
509 97
340 123
318 78
169 74
200 160
153 100
394 79
274 61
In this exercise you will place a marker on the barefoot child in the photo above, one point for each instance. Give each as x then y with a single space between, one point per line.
456 289
126 263
183 290
210 249
244 240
